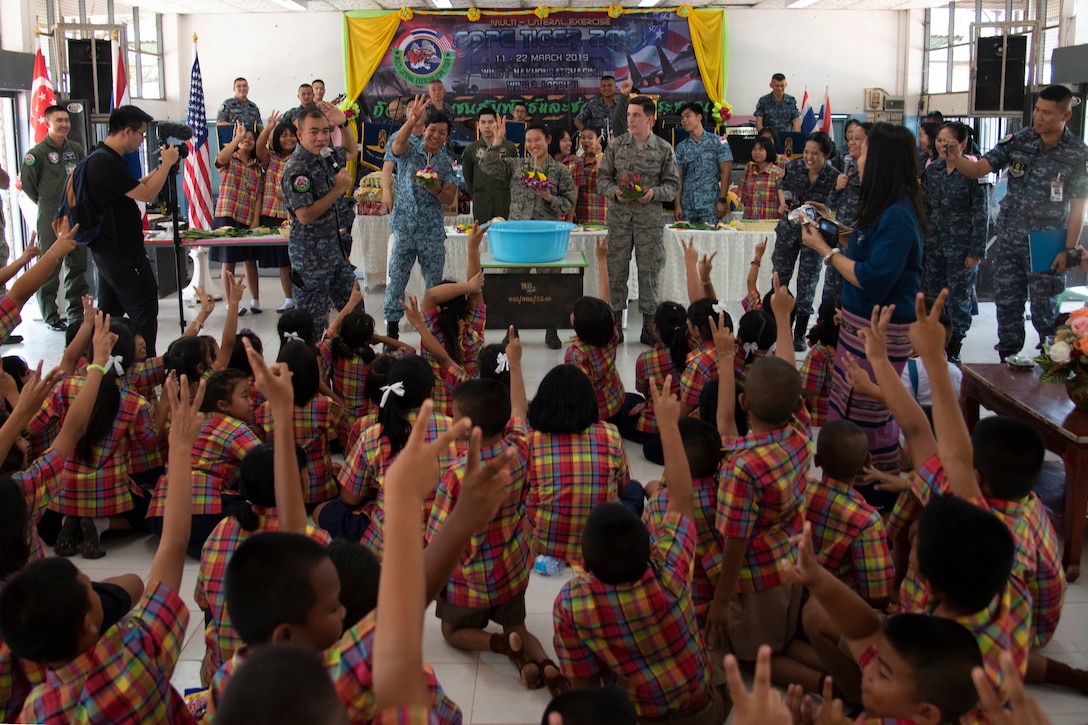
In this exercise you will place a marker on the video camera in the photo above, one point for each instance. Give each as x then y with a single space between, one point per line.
169 130
828 228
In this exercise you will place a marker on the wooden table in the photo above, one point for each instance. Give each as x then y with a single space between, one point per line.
1064 429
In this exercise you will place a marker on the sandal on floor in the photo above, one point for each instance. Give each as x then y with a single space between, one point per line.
66 539
92 548
557 684
500 644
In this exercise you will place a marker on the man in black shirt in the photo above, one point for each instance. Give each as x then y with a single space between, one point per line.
126 283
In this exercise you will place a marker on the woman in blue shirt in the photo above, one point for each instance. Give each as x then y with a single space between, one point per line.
881 265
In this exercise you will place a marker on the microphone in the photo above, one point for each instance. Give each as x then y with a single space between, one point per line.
326 153
169 129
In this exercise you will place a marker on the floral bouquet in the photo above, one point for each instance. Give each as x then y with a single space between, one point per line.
427 177
535 180
1068 351
631 187
350 109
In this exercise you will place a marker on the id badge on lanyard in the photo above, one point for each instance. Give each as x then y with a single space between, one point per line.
1057 189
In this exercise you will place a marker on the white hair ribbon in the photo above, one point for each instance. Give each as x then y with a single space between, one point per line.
750 348
718 308
396 388
292 336
503 363
114 361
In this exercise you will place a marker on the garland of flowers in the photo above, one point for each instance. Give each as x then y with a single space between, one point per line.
350 109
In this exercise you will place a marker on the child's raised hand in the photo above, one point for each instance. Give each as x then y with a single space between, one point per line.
691 254
476 234
876 337
859 377
273 382
66 238
412 312
602 247
806 570
666 405
782 301
235 290
476 284
724 342
8 386
88 307
484 489
186 420
885 481
764 704
356 296
1022 709
706 266
799 705
927 334
36 390
513 346
830 711
103 340
761 247
416 472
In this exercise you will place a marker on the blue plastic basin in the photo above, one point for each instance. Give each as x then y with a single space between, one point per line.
529 241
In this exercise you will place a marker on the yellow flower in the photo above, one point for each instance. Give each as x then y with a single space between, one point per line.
614 11
541 11
406 13
473 14
638 188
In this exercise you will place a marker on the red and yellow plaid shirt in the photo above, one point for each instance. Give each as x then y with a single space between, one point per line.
762 499
656 362
315 423
210 595
350 663
9 315
405 715
100 487
39 485
709 544
599 365
361 424
848 537
216 459
272 197
239 190
701 368
759 192
590 207
471 340
146 376
640 637
494 568
367 461
816 381
346 378
17 678
570 474
125 677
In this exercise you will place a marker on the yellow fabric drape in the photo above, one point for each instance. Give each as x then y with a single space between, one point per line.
367 35
708 39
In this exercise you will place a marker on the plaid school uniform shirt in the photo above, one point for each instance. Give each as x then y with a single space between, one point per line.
759 192
471 340
346 378
125 676
590 207
101 486
272 198
494 568
701 368
655 362
848 537
751 301
640 637
761 497
570 474
9 315
361 424
405 715
239 190
17 679
216 460
350 663
39 485
599 365
315 422
147 376
816 381
210 594
709 541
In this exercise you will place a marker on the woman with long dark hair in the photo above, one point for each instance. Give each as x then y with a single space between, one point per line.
881 265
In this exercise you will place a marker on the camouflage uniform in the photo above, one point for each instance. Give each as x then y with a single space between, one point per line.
956 207
234 110
320 270
524 204
490 194
700 161
778 116
845 205
291 115
631 224
1027 207
787 245
44 173
597 114
418 224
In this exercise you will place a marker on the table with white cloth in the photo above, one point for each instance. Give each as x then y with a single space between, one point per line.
371 240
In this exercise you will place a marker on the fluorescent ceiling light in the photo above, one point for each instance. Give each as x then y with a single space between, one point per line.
801 4
647 3
443 4
290 4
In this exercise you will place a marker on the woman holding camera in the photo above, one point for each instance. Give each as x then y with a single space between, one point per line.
807 179
881 265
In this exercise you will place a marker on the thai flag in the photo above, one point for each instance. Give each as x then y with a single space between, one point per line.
808 118
198 185
824 123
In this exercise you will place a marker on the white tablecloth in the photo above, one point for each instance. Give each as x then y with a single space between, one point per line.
371 240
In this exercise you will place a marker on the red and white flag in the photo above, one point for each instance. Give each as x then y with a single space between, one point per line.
41 98
824 123
120 81
198 184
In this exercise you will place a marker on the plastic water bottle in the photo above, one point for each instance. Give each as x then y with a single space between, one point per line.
548 566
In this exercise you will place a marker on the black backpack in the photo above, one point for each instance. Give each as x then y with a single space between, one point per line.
76 205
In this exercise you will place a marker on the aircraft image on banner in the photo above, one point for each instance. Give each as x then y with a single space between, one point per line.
680 68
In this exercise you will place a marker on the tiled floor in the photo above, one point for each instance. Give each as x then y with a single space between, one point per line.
485 685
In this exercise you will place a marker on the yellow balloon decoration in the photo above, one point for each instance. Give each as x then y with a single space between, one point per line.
614 11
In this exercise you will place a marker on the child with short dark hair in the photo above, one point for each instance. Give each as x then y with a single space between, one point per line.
667 356
819 363
629 620
702 363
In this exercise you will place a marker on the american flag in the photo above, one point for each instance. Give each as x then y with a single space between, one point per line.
198 185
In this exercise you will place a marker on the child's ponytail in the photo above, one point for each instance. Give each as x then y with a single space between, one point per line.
409 383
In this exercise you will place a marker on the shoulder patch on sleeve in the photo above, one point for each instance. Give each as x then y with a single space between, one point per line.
222 107
1006 138
301 183
29 159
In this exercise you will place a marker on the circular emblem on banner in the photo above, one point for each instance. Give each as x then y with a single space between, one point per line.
54 157
301 183
423 55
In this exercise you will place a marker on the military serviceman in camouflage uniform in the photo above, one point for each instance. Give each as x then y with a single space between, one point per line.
44 174
778 109
845 197
598 110
1048 184
490 194
321 219
239 107
305 103
417 221
957 207
637 223
704 164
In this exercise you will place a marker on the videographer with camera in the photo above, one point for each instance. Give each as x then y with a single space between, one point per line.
881 263
126 284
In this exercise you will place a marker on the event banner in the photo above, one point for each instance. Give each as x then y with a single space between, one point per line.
554 64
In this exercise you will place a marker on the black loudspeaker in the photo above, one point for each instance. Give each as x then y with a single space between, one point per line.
79 110
1001 64
89 79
